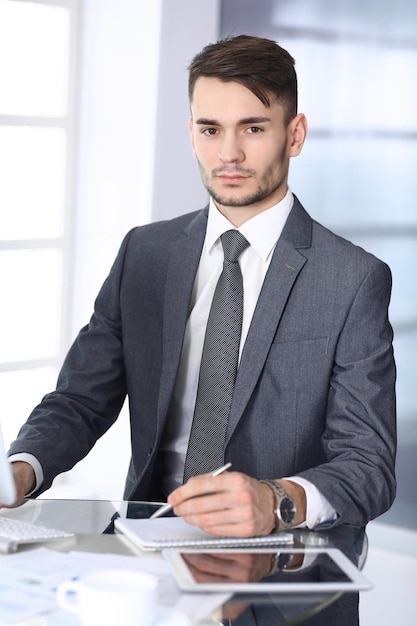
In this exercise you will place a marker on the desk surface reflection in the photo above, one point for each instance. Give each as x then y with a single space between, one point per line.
92 521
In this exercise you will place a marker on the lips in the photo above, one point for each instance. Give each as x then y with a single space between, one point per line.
230 178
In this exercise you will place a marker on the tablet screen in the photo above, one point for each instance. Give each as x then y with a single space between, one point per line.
265 570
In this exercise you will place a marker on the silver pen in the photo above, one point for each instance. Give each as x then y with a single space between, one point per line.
167 507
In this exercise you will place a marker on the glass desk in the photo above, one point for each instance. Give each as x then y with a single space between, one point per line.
92 522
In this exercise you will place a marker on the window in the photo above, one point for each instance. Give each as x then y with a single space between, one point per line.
37 55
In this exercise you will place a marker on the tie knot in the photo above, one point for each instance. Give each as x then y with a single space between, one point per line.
233 243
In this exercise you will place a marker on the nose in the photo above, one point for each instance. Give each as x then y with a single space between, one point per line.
230 150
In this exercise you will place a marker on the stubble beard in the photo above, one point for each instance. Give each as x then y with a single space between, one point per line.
266 188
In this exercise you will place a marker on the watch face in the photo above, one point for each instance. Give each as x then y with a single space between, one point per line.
284 559
286 510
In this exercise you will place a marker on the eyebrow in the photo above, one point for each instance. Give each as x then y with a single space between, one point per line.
204 121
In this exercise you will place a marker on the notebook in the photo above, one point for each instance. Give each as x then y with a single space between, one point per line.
174 532
7 488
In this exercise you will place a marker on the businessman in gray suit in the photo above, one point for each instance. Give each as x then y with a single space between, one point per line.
313 408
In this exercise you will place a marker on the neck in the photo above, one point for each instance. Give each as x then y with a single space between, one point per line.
238 215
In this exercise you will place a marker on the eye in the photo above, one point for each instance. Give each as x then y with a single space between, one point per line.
254 130
209 132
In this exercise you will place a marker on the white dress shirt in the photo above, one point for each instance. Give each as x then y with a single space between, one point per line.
262 233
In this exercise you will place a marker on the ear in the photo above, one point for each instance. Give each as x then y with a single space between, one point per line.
297 131
190 130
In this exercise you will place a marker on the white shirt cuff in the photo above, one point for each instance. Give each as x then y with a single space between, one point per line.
319 510
33 461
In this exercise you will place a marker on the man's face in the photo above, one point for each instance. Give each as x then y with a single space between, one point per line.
242 147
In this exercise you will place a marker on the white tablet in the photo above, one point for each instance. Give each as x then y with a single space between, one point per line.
265 570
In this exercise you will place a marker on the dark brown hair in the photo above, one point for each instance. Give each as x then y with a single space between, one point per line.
260 65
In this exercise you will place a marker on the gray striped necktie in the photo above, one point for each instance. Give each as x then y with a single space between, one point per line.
219 363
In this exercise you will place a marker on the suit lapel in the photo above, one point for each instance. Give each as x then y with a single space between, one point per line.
285 266
182 267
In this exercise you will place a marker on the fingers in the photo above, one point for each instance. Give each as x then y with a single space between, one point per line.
203 500
197 486
24 479
231 504
222 567
206 493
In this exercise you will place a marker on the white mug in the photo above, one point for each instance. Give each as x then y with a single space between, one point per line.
111 597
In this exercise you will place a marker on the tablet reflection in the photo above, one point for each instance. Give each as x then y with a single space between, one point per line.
272 609
228 567
266 567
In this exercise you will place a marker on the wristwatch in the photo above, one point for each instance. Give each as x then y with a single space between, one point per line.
281 562
284 508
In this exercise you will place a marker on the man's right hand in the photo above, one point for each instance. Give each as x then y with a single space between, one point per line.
24 480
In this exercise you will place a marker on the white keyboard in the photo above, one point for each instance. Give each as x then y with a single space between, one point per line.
14 532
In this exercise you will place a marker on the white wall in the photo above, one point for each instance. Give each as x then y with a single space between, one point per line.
133 158
119 54
186 27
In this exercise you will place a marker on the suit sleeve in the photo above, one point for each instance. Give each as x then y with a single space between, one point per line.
90 391
359 440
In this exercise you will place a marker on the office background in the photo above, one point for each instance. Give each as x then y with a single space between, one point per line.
93 128
93 141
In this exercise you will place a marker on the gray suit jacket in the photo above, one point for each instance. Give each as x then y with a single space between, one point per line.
314 394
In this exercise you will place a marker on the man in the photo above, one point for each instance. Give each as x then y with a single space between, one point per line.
313 407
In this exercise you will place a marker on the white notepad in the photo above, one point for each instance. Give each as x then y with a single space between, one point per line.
174 532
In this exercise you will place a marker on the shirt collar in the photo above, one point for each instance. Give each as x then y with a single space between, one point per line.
262 231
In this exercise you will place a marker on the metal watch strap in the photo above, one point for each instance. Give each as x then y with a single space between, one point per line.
280 562
279 494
